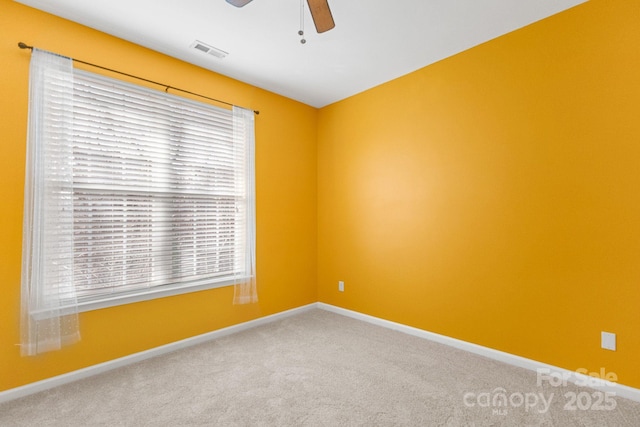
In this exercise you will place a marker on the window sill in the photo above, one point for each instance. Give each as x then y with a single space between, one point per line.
151 294
138 296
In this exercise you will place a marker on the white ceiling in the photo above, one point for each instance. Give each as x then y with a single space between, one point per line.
374 41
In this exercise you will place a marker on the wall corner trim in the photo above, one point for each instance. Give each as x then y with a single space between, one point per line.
510 359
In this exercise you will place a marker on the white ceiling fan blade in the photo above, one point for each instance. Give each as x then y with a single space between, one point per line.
238 3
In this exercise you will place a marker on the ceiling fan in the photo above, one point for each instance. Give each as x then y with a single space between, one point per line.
320 13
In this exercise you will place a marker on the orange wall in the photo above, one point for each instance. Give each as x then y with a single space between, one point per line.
286 161
494 197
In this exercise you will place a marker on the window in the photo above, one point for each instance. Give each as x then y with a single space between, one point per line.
159 191
133 193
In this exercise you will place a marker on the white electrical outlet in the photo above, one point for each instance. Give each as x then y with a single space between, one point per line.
608 341
341 286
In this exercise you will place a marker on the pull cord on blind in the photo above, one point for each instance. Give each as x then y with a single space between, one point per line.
129 193
22 45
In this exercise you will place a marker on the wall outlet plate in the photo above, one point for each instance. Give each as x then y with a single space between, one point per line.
341 286
608 341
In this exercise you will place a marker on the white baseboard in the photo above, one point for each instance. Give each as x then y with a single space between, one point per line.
522 362
574 377
59 380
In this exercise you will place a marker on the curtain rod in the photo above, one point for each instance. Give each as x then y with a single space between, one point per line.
22 45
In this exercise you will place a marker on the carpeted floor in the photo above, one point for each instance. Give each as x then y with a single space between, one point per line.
319 369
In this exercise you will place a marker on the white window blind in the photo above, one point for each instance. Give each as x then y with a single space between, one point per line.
160 190
158 196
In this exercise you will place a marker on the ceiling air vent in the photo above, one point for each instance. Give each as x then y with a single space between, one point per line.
203 47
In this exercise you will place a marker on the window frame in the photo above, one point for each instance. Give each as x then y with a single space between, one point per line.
167 289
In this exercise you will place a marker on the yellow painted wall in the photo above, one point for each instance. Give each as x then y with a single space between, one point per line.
286 161
494 197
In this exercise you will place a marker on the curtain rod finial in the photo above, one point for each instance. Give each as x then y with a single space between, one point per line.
22 45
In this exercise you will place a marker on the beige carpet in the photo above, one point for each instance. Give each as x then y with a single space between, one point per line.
315 369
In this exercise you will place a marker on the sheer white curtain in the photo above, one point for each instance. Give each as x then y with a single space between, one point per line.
245 291
48 308
49 315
